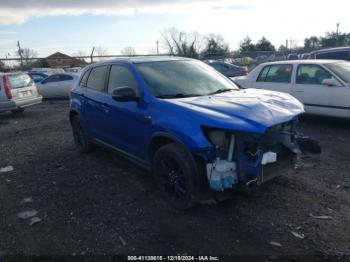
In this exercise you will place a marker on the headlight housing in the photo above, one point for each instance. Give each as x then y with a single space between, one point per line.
219 138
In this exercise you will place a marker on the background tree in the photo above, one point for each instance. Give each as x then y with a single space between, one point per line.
2 66
128 51
312 42
332 39
28 55
101 51
247 45
282 48
264 45
180 43
79 53
215 45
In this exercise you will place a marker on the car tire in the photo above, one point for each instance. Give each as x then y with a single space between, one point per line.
18 111
174 171
81 138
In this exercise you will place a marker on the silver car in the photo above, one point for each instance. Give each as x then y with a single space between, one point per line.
17 91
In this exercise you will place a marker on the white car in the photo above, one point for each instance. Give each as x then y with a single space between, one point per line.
323 86
57 85
17 91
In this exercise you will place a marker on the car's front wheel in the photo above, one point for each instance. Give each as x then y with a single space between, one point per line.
80 136
174 171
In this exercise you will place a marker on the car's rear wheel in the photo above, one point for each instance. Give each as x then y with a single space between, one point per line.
174 170
81 139
18 111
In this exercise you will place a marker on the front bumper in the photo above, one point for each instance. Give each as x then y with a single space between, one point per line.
257 158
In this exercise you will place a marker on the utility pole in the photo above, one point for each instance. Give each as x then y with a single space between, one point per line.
157 47
20 52
92 55
337 32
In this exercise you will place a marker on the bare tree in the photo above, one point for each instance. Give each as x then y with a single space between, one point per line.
181 43
101 51
79 53
215 45
128 51
28 55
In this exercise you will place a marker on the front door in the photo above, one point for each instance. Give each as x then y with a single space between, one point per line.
317 97
129 121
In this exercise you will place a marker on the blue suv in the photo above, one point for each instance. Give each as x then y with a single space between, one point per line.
189 125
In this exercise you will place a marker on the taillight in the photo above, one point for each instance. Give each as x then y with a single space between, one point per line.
7 89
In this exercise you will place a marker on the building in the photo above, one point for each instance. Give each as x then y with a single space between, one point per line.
58 60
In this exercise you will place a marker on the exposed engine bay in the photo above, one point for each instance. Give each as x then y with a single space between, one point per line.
252 159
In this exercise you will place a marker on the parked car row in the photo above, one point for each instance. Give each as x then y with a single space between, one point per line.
20 90
227 69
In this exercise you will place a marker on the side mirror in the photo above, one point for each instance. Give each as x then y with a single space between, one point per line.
330 82
124 94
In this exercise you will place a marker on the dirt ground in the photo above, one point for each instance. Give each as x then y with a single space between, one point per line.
102 204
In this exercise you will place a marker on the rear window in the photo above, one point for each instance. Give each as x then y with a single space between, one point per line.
341 55
19 80
84 79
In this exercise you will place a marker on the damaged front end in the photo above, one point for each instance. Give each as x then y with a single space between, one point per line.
250 159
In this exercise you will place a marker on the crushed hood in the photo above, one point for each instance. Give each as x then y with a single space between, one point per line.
252 110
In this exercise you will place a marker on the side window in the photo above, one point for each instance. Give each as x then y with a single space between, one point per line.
311 75
97 78
53 78
37 78
279 74
341 55
263 74
120 76
216 66
84 79
66 77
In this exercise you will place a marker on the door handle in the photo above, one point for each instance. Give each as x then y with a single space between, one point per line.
299 91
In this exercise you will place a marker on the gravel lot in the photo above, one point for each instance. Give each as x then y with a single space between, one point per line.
102 204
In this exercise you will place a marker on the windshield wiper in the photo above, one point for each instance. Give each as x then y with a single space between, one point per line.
179 95
222 90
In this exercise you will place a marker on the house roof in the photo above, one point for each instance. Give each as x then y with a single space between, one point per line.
58 55
60 60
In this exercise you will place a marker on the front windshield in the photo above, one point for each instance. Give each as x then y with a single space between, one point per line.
171 79
342 69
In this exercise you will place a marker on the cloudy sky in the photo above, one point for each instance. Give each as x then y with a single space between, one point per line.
70 25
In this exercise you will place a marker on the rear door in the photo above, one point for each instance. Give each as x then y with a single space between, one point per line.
276 77
95 107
